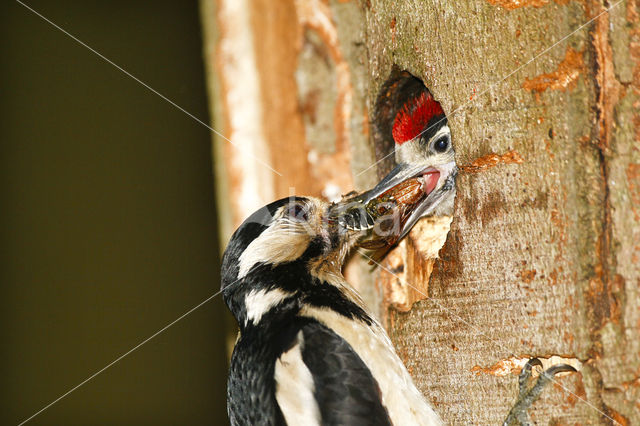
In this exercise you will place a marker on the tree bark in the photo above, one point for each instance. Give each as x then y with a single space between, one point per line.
543 253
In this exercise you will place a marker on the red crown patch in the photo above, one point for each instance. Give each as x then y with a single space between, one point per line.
414 117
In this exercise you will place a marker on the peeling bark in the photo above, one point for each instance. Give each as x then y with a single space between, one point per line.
543 253
491 160
563 78
514 365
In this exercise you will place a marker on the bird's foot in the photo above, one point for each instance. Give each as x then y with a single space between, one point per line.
528 395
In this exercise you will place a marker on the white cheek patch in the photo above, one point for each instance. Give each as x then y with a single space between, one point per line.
295 387
259 302
281 242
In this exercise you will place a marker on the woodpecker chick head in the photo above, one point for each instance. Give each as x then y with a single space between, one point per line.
421 132
424 156
280 250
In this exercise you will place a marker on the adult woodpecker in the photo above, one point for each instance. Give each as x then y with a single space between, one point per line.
423 152
309 352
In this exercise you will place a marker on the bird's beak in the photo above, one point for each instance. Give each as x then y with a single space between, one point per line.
410 191
437 183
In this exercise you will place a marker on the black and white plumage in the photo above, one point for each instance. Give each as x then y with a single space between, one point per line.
309 351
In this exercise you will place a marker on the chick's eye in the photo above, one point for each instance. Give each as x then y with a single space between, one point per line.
298 212
441 145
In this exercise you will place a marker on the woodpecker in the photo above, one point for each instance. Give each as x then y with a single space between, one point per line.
423 151
309 351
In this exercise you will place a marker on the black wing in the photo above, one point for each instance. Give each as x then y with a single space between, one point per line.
346 392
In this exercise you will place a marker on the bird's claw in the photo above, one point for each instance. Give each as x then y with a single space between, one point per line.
528 395
525 375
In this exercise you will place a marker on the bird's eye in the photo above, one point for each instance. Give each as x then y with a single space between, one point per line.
298 212
441 145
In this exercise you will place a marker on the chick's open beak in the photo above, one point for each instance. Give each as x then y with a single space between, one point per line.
407 193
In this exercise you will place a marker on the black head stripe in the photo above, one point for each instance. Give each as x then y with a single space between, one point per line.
435 124
325 295
265 215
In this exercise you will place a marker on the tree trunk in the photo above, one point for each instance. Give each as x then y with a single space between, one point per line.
543 253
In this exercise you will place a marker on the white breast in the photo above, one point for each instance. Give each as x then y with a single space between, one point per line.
294 387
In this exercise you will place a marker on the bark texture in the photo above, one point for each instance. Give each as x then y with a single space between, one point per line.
543 253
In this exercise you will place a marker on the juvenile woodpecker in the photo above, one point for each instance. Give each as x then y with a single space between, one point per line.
422 150
309 352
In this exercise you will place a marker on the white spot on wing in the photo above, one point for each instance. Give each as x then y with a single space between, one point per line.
294 387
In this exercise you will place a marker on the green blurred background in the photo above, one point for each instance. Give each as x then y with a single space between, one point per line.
108 218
